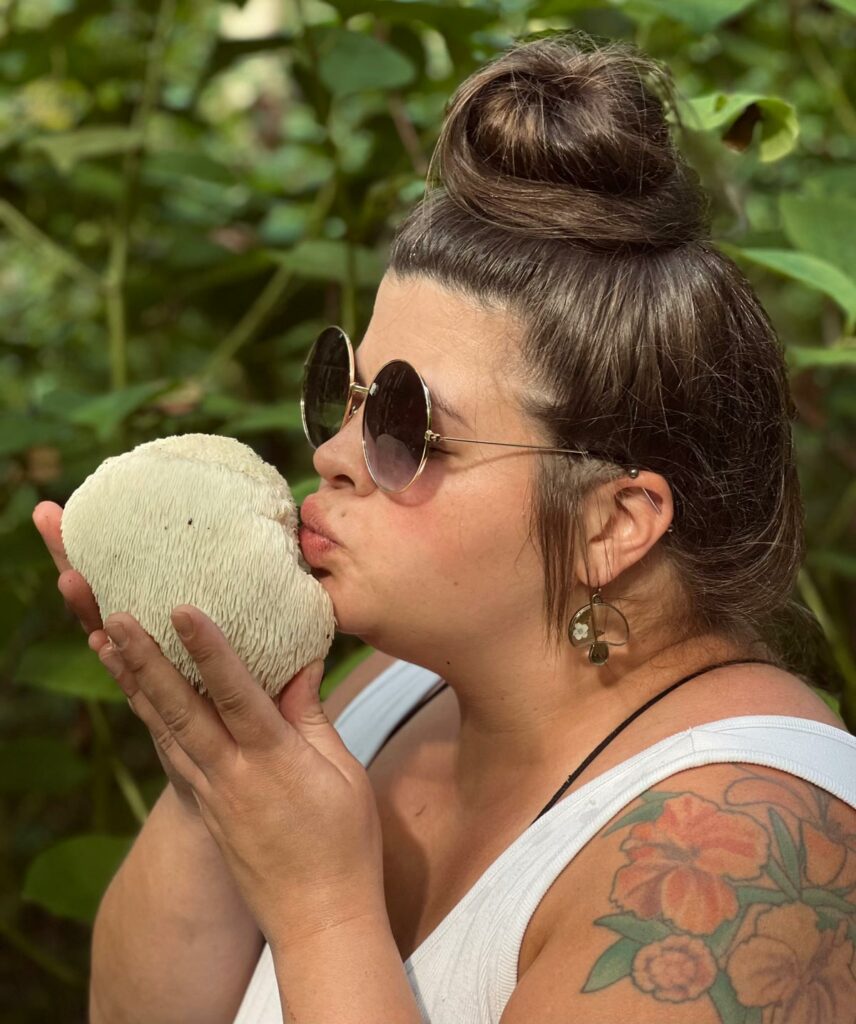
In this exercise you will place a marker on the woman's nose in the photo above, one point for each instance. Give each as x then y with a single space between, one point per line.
342 455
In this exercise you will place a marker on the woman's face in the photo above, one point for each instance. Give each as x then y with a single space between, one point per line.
446 562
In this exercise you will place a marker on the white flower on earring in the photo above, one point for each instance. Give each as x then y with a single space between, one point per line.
581 631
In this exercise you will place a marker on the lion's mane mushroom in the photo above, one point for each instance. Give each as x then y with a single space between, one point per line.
201 519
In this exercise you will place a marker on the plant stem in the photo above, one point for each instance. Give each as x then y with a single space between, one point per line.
324 112
114 279
829 78
840 650
124 780
19 941
249 324
24 229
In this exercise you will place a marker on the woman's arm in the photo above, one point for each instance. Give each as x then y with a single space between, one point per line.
351 973
173 941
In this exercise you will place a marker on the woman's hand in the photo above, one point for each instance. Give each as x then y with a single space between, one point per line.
291 809
80 601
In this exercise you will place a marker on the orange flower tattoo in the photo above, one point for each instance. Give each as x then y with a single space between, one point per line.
681 864
824 825
675 969
796 973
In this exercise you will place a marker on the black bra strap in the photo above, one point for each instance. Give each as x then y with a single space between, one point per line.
588 760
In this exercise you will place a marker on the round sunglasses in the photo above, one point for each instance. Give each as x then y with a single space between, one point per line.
397 434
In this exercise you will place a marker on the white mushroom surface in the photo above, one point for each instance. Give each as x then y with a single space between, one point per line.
201 519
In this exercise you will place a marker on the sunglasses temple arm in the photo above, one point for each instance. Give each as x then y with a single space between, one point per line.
431 436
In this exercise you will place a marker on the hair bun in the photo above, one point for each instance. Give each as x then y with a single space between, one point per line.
559 137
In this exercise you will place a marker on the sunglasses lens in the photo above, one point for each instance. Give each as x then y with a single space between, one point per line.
394 426
325 386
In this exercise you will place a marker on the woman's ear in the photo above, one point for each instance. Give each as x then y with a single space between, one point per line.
621 521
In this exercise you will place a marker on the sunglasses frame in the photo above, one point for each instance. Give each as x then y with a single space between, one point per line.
352 404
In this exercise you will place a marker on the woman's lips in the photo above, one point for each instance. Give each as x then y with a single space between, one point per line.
314 546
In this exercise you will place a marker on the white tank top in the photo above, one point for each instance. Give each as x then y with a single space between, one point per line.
466 969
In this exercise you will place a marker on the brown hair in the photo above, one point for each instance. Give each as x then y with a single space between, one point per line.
562 200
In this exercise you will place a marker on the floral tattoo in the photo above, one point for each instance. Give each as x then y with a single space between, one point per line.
750 903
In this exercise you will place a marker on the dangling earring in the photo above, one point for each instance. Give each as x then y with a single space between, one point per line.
590 623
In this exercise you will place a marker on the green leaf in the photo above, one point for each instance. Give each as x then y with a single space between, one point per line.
821 226
19 432
648 811
613 965
810 270
285 223
444 17
343 668
841 562
749 894
353 61
846 5
780 877
228 51
104 413
304 488
173 167
65 149
804 357
68 668
220 406
719 110
35 764
699 16
724 998
721 938
70 878
825 898
19 507
283 416
787 849
631 927
324 259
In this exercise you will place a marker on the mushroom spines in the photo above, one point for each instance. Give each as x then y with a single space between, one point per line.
201 519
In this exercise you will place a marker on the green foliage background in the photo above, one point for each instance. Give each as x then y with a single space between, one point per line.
189 191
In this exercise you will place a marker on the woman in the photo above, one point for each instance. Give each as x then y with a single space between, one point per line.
587 553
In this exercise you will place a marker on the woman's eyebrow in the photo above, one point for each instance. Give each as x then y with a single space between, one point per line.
438 401
445 406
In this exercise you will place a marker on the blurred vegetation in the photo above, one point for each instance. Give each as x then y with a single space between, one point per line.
190 191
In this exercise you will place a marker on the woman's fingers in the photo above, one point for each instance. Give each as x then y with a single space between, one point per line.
178 765
191 719
97 639
80 600
46 518
76 592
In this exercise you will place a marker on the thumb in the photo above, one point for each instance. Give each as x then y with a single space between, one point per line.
300 705
302 691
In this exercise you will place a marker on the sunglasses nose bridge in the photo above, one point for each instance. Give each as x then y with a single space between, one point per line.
358 395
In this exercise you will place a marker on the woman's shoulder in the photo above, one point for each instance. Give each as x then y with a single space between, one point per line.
737 691
724 890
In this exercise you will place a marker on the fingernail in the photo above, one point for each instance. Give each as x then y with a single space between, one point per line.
183 624
112 661
117 634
